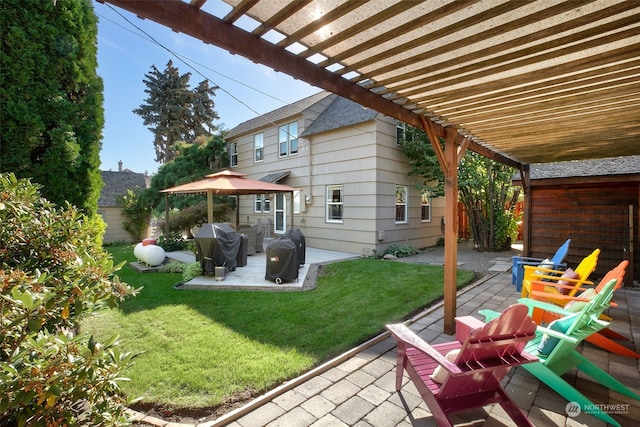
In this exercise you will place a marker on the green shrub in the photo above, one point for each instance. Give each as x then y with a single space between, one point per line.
191 271
171 242
137 214
52 275
172 267
401 251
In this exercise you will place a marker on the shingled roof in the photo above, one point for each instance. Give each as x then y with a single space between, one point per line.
629 165
340 113
116 184
277 115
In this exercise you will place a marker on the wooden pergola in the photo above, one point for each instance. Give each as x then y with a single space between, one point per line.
520 82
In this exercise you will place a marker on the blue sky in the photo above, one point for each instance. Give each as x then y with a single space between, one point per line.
125 54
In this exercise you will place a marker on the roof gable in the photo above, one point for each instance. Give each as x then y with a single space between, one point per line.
116 184
340 113
275 116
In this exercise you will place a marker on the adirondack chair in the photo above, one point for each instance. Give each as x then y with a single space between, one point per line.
518 263
603 338
556 344
554 280
485 353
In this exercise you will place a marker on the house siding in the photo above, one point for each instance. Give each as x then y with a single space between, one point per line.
362 157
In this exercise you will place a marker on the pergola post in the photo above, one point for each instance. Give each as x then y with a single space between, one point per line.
448 160
450 230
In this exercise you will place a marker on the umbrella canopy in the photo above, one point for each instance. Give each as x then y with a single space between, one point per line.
228 183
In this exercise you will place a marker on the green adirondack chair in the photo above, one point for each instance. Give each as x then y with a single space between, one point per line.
555 347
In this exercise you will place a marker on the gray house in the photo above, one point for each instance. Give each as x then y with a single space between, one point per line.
354 195
116 184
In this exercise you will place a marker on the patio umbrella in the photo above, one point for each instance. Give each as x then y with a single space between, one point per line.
228 183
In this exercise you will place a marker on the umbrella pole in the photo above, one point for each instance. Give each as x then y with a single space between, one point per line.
210 207
237 212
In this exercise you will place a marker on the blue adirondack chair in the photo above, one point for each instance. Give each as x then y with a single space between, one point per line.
555 347
518 263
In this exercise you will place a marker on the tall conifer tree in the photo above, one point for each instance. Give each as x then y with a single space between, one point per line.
51 113
173 112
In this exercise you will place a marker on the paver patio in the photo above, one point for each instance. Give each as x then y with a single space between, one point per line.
357 388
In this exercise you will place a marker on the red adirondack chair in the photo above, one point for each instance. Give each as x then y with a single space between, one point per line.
486 352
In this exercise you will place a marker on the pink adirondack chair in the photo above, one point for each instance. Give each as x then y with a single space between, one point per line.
485 354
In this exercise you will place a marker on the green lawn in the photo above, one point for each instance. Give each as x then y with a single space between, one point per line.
200 346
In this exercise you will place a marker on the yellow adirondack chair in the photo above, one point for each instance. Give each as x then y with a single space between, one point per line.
555 284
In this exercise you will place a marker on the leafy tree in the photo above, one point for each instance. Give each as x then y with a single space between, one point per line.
51 113
52 275
137 214
173 112
489 199
192 162
484 189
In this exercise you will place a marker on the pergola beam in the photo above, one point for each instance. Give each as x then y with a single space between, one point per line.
185 18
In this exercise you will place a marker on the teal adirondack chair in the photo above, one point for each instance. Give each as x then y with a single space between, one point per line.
555 347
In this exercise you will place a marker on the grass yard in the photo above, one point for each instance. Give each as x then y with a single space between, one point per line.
201 347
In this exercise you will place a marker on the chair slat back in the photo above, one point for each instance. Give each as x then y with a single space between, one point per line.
489 352
585 268
586 323
561 253
616 273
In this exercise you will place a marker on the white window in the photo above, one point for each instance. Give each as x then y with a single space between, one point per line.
401 204
262 204
296 202
404 132
425 206
334 203
288 139
233 154
258 147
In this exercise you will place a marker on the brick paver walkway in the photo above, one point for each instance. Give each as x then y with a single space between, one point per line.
358 388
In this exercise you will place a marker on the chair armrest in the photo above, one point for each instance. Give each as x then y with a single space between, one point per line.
466 324
403 334
558 335
533 303
489 315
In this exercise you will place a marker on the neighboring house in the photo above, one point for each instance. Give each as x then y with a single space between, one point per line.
116 184
355 192
593 202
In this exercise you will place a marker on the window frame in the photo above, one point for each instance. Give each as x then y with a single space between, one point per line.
258 150
288 138
261 204
233 154
425 194
329 203
402 204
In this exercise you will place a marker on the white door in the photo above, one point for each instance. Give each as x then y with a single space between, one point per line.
280 214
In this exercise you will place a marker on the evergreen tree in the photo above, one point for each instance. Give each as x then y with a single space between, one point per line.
51 113
203 111
173 112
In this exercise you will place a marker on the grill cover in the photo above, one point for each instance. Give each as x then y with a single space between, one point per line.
217 244
282 261
298 238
